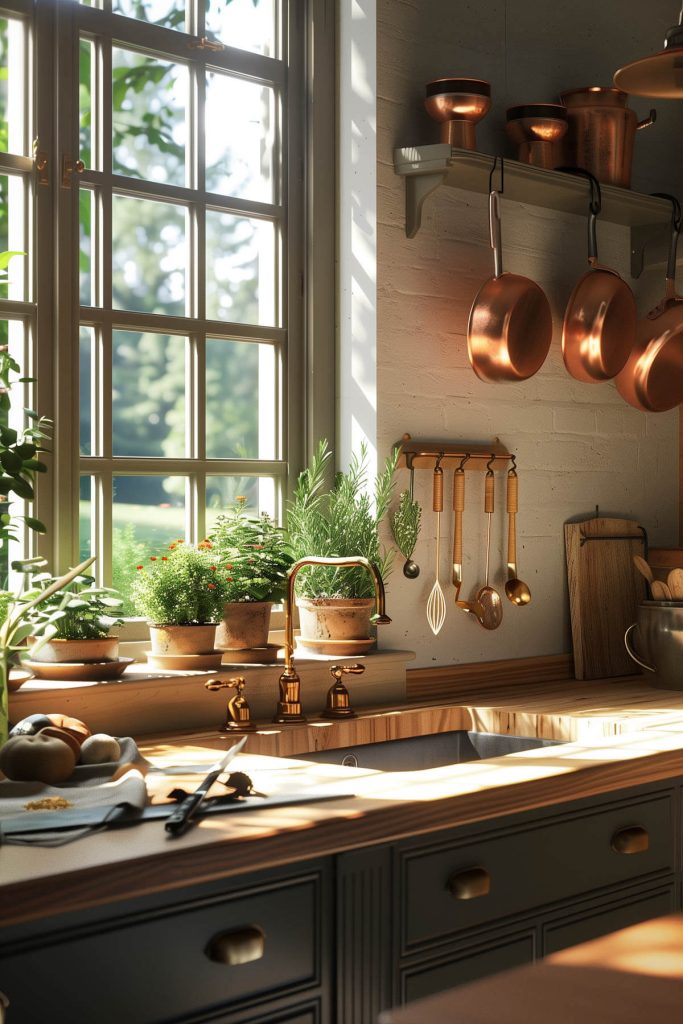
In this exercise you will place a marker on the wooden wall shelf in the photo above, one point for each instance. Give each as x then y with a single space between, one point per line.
425 168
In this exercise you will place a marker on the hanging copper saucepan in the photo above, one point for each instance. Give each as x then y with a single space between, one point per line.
599 328
510 326
652 379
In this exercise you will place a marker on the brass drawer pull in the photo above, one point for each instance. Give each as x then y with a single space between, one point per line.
239 946
634 839
470 884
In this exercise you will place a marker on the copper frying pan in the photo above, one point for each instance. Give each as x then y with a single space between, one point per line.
510 326
652 379
599 328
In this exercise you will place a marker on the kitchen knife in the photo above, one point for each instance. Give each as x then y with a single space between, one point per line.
182 816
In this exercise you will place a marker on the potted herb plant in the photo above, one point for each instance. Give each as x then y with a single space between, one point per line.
182 593
338 521
74 623
252 553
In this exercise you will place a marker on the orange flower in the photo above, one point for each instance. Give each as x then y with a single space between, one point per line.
228 565
152 558
229 578
205 545
164 558
139 567
211 586
213 568
172 547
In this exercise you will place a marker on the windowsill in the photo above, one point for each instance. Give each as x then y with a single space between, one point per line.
146 701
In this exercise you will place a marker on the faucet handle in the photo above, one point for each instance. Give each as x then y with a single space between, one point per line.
338 701
238 712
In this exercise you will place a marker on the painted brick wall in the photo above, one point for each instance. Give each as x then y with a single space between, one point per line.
578 445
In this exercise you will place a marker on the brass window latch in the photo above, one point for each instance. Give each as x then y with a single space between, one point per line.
69 168
40 163
204 43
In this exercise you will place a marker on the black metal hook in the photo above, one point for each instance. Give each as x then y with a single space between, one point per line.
596 194
513 467
461 467
490 463
675 208
437 467
501 190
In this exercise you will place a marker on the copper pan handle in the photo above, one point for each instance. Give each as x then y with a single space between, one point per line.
437 492
458 508
512 505
675 231
647 121
495 233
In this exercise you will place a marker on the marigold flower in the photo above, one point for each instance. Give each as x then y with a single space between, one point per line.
213 568
228 565
229 578
211 586
139 567
164 558
205 545
241 498
152 558
172 547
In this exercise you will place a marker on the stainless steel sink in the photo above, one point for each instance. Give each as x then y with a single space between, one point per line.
431 751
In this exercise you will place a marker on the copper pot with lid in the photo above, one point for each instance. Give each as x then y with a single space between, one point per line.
601 132
458 104
537 129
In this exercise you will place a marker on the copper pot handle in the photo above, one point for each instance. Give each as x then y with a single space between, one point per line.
631 650
495 233
647 121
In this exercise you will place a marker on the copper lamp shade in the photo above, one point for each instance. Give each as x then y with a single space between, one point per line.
660 75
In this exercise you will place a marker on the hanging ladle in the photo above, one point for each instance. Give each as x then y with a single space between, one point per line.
516 590
488 598
458 509
411 570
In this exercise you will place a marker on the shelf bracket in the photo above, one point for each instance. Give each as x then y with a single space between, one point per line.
418 187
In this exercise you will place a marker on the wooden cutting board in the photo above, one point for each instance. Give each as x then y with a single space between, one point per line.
605 590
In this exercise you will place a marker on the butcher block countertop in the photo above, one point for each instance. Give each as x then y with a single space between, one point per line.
621 733
630 977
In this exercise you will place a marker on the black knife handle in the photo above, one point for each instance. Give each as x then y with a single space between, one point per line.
180 820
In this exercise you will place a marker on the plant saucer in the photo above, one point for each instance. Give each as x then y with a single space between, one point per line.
338 648
186 662
252 655
78 671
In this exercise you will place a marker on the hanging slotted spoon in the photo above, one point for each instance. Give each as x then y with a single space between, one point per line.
436 603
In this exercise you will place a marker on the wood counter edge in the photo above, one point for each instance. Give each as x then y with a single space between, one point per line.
175 865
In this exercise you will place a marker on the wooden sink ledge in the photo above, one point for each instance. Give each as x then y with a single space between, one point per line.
621 734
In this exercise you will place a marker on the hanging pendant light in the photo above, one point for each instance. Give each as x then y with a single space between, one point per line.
660 75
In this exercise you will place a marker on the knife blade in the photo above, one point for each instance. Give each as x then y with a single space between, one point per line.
180 820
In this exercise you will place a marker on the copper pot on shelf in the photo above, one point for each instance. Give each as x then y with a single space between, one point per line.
537 129
602 132
458 104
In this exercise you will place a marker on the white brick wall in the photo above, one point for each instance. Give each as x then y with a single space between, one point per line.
578 445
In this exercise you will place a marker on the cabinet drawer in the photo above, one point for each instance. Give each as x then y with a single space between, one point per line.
610 918
446 888
423 980
264 941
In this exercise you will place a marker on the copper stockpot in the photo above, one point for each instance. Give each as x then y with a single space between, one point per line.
510 326
537 129
601 133
599 328
458 104
652 379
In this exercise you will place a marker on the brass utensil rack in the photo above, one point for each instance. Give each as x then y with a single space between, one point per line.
422 454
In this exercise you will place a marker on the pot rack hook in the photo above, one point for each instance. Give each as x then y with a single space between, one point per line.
513 467
463 460
675 208
501 190
439 457
596 194
489 464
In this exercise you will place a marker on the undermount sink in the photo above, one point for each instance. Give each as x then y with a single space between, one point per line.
431 751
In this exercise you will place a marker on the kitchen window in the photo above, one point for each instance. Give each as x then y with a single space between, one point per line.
157 166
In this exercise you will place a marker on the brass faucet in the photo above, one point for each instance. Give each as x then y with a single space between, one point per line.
289 705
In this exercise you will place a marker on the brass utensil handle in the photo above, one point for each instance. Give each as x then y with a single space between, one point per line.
469 884
437 491
458 508
238 946
634 839
512 505
489 490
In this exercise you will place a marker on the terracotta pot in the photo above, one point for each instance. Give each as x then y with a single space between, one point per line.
17 677
56 651
245 624
189 639
338 618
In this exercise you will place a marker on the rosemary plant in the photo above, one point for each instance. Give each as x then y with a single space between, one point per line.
405 523
341 521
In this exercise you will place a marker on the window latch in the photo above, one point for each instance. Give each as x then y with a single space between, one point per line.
204 43
69 168
40 162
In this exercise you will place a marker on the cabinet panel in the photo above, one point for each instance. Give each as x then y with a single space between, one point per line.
467 965
157 967
448 887
606 919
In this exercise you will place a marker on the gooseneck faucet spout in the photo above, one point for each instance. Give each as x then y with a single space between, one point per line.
289 705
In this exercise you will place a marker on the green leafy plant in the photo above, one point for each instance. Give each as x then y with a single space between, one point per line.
253 554
78 611
183 586
341 521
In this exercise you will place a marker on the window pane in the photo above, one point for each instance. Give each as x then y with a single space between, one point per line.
168 13
12 237
244 24
87 222
153 507
86 342
244 425
85 518
148 394
13 105
149 256
221 492
85 93
240 136
149 103
241 269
